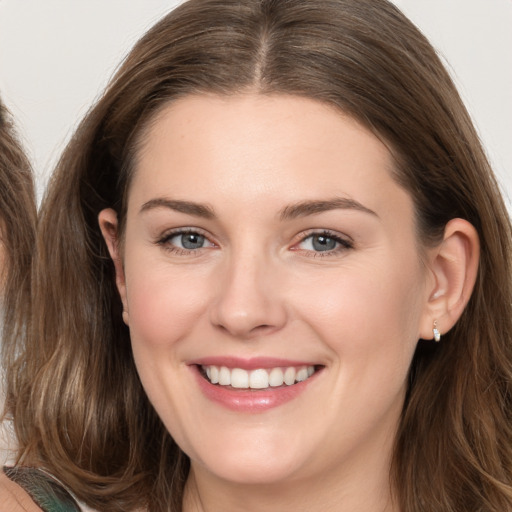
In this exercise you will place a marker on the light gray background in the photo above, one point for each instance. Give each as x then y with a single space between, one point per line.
57 55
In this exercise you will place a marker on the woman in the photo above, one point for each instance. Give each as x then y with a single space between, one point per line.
246 257
17 219
17 226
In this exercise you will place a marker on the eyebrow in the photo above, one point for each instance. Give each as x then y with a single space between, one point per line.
304 208
188 207
290 212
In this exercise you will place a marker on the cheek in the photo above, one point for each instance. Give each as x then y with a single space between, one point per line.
369 321
378 299
368 315
163 306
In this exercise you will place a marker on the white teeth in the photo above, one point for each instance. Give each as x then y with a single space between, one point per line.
214 374
276 377
239 378
302 374
257 379
224 376
289 376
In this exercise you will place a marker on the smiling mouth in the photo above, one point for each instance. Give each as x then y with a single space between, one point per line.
261 378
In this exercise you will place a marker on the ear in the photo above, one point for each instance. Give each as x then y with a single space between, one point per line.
454 266
109 229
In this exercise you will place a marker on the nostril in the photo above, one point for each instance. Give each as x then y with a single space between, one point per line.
262 328
248 312
251 332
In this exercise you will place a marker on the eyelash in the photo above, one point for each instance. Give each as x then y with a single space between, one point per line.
343 244
182 251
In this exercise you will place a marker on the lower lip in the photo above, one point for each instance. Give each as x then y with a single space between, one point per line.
242 400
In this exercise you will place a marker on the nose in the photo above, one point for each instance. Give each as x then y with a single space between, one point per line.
250 300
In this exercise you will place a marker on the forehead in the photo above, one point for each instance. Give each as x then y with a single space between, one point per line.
248 147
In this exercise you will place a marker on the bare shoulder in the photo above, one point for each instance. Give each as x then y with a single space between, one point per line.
13 498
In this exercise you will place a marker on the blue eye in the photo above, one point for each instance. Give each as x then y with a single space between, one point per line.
185 240
188 240
323 242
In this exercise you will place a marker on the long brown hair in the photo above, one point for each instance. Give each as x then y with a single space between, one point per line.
81 410
17 239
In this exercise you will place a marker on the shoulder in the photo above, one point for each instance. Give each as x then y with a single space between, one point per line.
36 490
14 498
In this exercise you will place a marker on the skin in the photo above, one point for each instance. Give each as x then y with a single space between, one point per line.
14 498
259 287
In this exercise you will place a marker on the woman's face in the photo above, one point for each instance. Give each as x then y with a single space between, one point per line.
266 243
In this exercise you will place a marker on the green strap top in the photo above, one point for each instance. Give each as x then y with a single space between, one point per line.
47 493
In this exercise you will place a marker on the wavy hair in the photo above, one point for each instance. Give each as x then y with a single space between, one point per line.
81 410
17 241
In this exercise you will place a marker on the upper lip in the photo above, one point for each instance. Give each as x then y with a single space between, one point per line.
253 363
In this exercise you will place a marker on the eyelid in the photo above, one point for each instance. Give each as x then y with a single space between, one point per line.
344 240
163 239
168 233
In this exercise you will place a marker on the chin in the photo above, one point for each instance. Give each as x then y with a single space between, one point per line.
256 463
249 472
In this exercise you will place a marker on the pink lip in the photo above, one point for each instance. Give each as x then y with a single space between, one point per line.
250 401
